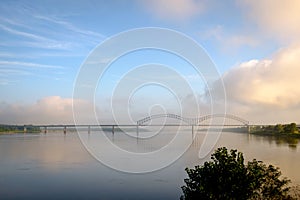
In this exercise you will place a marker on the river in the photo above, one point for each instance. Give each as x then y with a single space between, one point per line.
57 166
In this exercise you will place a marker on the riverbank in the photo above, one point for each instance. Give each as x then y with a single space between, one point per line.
283 130
262 133
15 129
18 132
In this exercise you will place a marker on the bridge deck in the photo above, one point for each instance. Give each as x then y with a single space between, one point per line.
127 125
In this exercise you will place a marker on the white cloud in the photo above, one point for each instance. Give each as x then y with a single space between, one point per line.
276 17
29 64
6 72
35 40
31 28
174 9
229 42
71 27
22 33
258 88
49 110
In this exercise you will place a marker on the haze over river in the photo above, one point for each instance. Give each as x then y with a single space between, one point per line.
57 166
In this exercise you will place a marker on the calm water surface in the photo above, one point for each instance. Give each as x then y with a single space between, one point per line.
57 166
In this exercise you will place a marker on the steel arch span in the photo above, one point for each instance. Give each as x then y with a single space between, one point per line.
192 121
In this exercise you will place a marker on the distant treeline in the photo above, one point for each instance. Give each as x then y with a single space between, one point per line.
17 128
276 129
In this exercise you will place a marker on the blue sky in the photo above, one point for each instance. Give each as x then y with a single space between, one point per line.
44 43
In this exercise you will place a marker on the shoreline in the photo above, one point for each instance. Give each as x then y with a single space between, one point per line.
286 135
18 132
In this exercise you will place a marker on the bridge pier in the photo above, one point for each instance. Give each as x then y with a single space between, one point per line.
248 129
89 129
45 129
65 130
113 130
24 129
192 133
137 131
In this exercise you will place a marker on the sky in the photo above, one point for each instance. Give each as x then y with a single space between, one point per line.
254 45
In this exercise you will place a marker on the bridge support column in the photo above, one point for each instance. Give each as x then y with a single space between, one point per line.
113 130
248 129
65 130
24 129
137 131
89 129
45 129
192 133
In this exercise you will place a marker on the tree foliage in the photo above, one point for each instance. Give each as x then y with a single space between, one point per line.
17 128
277 129
227 177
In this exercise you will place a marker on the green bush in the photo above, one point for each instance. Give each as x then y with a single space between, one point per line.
227 177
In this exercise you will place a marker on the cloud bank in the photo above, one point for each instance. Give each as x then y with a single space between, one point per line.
49 110
267 88
277 18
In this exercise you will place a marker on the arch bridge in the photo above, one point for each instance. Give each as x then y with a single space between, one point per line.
192 121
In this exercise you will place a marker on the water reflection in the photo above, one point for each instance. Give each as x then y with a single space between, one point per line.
57 166
280 141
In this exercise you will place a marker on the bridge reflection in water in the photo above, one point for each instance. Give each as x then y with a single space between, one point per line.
149 134
145 136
